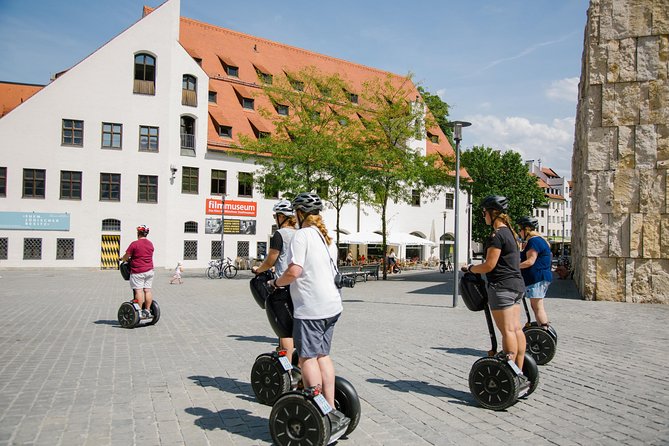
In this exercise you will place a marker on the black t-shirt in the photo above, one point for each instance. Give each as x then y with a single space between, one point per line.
276 242
506 273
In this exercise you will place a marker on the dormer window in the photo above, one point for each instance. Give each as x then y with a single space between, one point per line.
225 131
433 138
231 68
352 97
248 103
282 109
265 78
297 85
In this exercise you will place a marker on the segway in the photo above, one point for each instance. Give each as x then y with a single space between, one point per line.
495 381
300 416
541 341
130 313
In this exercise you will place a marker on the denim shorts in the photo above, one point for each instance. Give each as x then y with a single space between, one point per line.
500 298
141 280
537 290
313 337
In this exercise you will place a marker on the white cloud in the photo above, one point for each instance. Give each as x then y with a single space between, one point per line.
564 90
552 143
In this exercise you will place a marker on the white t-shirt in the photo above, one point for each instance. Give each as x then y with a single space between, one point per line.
314 293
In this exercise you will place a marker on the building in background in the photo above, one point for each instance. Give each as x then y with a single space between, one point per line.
142 131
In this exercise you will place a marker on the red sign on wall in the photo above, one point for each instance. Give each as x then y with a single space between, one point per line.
232 208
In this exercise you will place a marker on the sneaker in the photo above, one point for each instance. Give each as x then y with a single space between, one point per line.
146 314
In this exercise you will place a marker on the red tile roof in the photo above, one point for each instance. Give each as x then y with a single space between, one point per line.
13 94
549 172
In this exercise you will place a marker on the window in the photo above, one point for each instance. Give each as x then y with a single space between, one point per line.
449 200
245 188
218 182
213 97
248 103
34 183
190 249
190 227
262 134
147 189
232 71
187 136
4 248
433 138
225 131
3 181
353 97
265 78
110 186
189 180
297 85
111 135
148 139
242 249
189 90
73 133
542 213
215 249
282 109
70 185
32 249
65 249
415 198
111 224
145 74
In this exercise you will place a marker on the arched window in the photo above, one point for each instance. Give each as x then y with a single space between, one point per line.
145 74
111 224
190 227
189 90
187 135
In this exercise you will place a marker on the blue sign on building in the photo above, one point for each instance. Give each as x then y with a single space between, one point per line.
36 221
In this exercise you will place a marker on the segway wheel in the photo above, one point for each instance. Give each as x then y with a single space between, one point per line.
531 372
128 317
230 271
155 311
269 380
493 384
296 421
540 344
347 402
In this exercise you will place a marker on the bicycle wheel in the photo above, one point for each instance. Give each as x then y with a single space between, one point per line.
230 271
213 273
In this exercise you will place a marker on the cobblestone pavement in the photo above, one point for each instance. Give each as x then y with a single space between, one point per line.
69 375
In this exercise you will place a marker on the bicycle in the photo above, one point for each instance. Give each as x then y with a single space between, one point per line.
221 268
445 265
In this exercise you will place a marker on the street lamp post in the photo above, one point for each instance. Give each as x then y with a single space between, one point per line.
442 254
222 226
457 136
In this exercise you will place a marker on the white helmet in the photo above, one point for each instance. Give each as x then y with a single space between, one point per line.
283 207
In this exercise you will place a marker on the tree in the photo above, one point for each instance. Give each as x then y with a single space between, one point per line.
500 173
393 168
439 110
312 146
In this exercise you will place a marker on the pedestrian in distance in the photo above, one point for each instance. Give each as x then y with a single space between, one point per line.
140 256
277 257
535 266
177 274
316 298
505 286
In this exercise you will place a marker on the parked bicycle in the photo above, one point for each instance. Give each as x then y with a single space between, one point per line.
445 265
221 268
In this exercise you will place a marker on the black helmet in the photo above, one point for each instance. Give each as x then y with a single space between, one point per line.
496 202
308 202
528 222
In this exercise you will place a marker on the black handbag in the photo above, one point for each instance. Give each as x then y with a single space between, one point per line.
473 291
124 267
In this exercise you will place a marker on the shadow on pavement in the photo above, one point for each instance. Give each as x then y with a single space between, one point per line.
107 322
404 385
261 339
224 384
235 421
464 351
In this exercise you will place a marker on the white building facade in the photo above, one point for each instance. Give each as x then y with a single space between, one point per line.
98 152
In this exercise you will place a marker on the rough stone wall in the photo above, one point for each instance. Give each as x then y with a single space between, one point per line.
620 196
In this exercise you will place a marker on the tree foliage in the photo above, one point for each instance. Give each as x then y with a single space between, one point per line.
439 110
500 173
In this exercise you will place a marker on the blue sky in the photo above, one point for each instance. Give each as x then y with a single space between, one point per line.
510 67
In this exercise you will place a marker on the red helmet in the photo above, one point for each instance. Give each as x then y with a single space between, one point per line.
143 229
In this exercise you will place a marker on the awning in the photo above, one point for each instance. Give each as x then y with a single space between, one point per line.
404 238
361 238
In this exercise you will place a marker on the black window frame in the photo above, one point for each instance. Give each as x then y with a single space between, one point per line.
191 227
68 180
33 183
112 132
215 184
214 95
225 131
450 201
147 188
282 107
415 198
3 181
248 103
72 132
232 70
110 186
145 132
